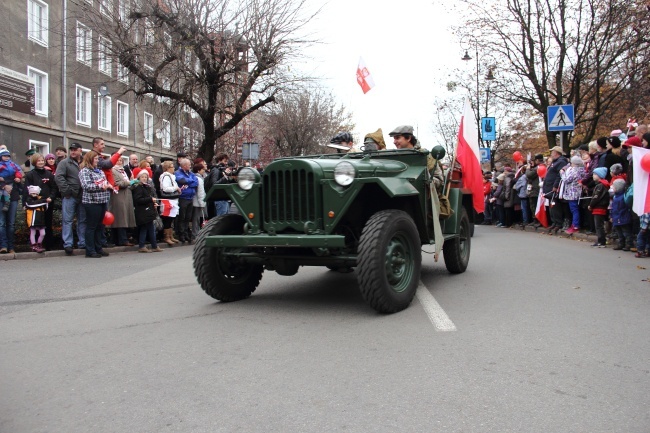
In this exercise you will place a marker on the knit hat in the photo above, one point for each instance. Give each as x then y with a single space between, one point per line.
34 189
602 142
502 176
576 160
616 169
601 172
633 141
615 133
50 155
614 141
618 185
4 152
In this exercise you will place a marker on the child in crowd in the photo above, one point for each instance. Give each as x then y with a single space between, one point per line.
35 213
598 205
9 172
50 162
616 172
621 216
643 238
572 190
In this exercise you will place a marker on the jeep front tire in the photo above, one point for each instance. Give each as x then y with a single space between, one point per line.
389 261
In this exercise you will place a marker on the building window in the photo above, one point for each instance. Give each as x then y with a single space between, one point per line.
37 21
166 86
149 70
122 119
123 10
84 43
83 106
104 52
148 128
123 74
166 134
186 137
194 114
41 147
41 91
104 113
106 7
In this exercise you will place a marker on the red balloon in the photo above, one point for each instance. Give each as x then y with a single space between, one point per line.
108 218
541 170
645 162
517 156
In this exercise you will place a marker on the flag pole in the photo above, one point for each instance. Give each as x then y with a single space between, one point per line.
450 172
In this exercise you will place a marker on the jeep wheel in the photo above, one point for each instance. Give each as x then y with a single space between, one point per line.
456 250
225 278
389 260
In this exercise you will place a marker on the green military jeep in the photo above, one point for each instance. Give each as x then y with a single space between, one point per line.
371 212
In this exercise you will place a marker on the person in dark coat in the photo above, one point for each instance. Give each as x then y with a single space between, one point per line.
145 203
44 179
598 205
532 187
551 186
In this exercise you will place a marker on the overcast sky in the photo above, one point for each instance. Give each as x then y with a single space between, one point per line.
408 49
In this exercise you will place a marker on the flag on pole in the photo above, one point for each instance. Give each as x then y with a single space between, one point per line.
540 210
641 197
364 78
469 157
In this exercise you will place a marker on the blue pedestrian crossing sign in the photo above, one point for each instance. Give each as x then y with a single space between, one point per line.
488 129
560 118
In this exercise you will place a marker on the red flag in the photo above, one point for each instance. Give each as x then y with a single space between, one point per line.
540 210
364 78
468 155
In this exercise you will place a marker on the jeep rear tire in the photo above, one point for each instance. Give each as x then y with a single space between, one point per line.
225 278
456 251
389 261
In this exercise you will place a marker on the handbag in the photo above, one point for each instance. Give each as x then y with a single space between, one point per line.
168 195
158 223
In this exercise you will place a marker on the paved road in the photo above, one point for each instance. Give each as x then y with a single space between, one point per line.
550 336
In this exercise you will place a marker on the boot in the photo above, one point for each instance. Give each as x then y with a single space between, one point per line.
171 236
157 250
167 237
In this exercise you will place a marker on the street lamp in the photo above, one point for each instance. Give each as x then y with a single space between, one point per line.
489 77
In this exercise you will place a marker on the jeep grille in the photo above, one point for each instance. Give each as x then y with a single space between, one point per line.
289 198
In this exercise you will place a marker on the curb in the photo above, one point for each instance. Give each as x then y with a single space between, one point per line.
77 252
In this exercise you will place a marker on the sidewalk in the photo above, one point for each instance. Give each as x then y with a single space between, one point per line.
77 252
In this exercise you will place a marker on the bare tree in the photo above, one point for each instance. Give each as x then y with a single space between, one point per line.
218 59
553 52
301 123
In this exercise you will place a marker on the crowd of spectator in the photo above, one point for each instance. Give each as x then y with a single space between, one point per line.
588 191
142 202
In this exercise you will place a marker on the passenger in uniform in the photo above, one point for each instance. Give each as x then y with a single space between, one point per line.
403 138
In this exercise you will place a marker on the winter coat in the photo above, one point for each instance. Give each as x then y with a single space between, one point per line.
533 182
609 159
499 194
67 178
145 211
35 211
588 179
600 198
508 190
572 189
621 214
42 178
121 204
552 179
520 186
9 171
199 197
189 180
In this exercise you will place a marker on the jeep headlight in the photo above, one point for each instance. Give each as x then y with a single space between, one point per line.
344 173
246 178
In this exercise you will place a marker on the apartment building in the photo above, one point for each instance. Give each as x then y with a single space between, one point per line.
79 92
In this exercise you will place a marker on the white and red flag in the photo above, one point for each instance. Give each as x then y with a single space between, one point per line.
641 198
540 210
364 78
168 208
469 157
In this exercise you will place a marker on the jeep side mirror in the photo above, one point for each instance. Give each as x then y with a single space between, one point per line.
438 152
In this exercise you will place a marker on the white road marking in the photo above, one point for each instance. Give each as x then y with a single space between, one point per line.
436 314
